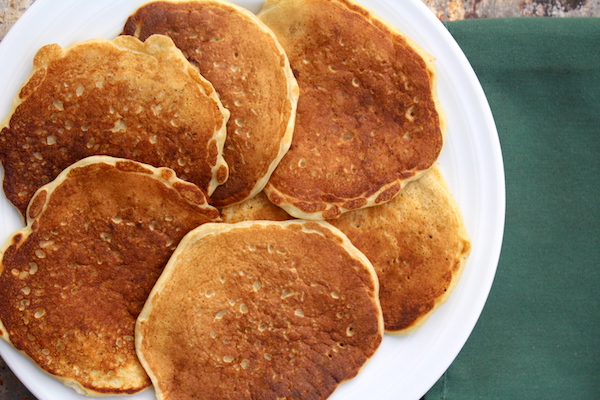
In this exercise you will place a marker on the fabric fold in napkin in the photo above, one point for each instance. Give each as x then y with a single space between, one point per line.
539 334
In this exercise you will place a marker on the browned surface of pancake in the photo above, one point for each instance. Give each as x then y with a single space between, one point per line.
123 98
368 119
242 58
417 243
76 277
260 310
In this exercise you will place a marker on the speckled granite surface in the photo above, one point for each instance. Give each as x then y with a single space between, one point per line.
11 10
463 9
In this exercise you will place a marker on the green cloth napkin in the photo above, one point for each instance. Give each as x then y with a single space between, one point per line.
539 334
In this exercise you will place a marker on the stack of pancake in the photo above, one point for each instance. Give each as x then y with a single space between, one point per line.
224 204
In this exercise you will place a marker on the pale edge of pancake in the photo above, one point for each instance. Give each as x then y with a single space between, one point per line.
463 255
429 60
165 175
156 45
292 85
216 228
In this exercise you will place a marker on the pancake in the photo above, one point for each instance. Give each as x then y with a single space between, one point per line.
243 60
121 97
76 277
368 120
260 310
417 243
257 208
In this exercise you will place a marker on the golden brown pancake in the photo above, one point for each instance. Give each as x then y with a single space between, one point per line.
124 98
368 120
260 310
76 277
417 243
242 58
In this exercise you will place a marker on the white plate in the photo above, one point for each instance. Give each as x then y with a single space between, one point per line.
403 367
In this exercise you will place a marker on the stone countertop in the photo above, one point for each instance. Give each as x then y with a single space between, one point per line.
10 10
